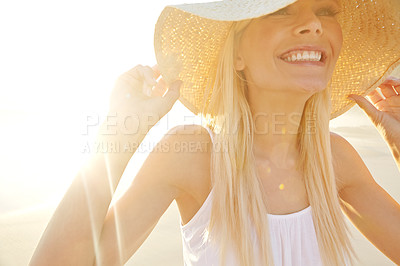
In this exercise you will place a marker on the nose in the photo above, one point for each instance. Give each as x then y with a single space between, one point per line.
308 23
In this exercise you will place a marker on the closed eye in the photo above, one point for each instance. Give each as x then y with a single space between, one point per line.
328 11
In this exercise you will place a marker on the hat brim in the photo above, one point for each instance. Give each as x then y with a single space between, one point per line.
234 10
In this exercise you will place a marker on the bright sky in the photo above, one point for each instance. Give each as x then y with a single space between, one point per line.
58 54
59 61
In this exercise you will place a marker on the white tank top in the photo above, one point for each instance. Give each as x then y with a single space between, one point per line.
293 239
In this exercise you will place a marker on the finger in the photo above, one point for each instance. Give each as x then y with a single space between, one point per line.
133 72
388 90
133 77
160 88
375 97
147 89
397 88
392 80
171 96
366 106
392 104
381 106
146 79
128 82
148 75
173 92
388 109
156 71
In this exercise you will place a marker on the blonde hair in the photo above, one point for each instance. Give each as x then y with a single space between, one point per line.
239 205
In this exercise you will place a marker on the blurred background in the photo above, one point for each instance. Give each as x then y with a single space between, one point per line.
59 62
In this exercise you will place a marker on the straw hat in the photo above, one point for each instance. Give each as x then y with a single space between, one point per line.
189 37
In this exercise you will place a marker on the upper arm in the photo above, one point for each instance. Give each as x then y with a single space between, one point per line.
370 208
160 180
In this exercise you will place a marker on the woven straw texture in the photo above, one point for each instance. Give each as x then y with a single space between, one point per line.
189 37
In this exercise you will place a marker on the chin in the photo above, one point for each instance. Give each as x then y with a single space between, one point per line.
310 86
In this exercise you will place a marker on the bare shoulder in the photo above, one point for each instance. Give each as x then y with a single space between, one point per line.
350 170
185 152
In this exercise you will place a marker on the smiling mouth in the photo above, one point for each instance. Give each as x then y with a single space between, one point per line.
302 57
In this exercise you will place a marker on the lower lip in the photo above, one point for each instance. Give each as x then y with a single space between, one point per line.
306 63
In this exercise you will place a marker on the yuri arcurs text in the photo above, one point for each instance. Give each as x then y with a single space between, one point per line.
130 147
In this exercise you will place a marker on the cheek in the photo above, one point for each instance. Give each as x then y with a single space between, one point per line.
337 40
256 45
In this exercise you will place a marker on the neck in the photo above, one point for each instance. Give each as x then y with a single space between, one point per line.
276 118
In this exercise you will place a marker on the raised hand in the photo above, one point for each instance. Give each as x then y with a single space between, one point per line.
384 111
138 93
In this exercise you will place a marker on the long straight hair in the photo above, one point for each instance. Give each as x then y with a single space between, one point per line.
238 215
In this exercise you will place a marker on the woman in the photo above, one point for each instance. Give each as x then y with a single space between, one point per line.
263 84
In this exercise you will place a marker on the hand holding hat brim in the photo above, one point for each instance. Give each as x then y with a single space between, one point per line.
383 109
141 93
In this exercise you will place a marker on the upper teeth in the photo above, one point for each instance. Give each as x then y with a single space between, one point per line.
302 56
